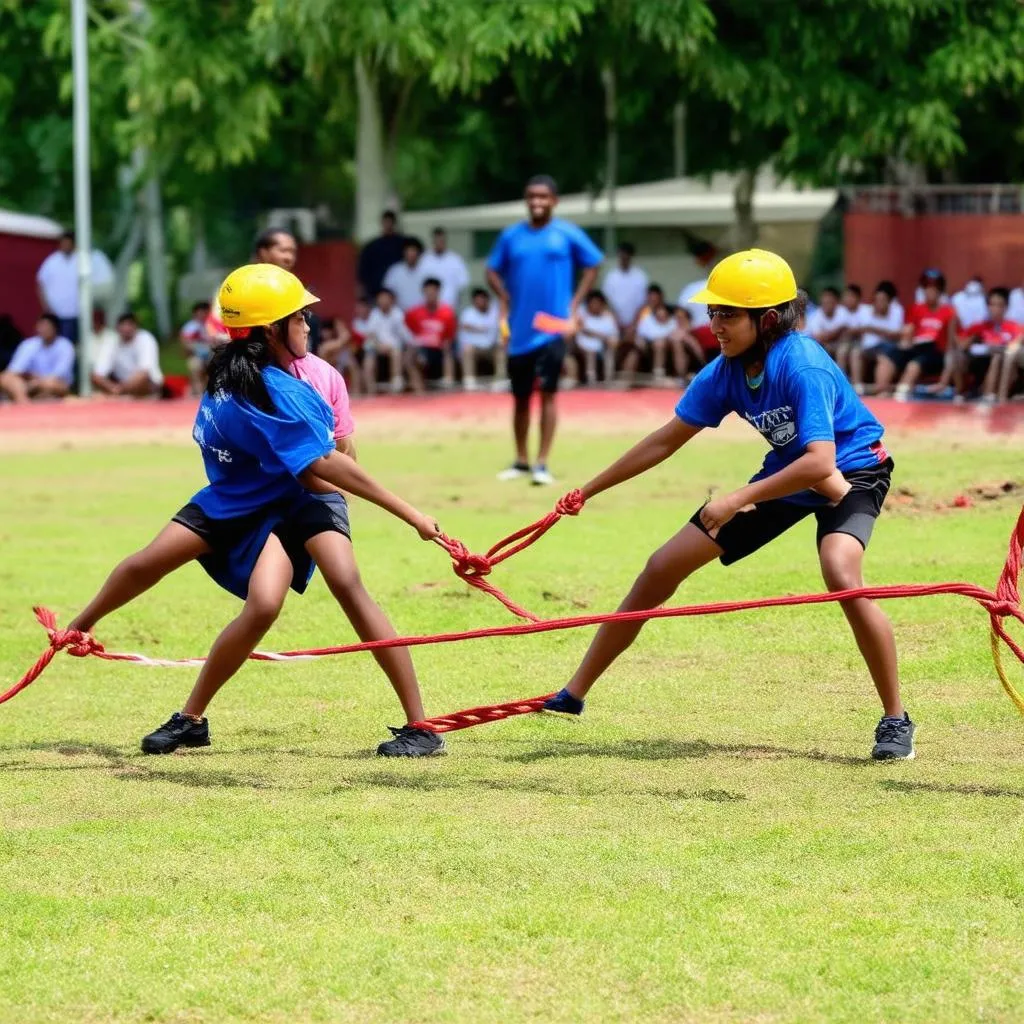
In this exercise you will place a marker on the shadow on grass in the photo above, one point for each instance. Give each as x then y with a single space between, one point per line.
122 765
681 750
961 789
432 784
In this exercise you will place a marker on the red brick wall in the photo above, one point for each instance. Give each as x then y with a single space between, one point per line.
328 270
881 245
19 260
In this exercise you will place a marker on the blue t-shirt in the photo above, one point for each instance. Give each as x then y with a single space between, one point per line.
538 267
253 457
803 397
34 356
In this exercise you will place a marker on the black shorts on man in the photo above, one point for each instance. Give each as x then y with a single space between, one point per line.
543 364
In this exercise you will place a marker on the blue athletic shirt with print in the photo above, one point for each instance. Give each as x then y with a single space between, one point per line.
538 267
252 458
803 397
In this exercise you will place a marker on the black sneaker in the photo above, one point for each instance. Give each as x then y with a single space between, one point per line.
564 703
894 739
410 742
177 731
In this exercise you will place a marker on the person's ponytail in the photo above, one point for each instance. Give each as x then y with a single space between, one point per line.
237 369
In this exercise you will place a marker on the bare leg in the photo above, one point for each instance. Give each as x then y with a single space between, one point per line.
911 375
842 560
548 422
992 376
51 387
268 587
681 556
680 357
1008 376
334 557
174 546
447 366
500 365
521 427
659 359
138 385
885 374
14 386
468 359
412 368
590 364
370 373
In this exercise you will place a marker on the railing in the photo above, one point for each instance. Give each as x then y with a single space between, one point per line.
920 200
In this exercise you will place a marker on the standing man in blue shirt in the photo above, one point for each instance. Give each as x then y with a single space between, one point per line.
531 270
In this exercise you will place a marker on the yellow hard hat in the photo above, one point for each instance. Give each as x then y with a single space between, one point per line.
752 279
261 293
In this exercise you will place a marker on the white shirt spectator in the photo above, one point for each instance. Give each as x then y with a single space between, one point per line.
698 312
407 284
595 331
1015 311
123 359
651 328
386 331
450 269
483 327
970 303
58 275
871 322
35 357
818 324
626 292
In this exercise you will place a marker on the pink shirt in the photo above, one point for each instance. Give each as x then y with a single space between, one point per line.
330 385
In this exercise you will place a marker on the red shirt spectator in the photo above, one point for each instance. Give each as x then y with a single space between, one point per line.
931 324
987 332
431 326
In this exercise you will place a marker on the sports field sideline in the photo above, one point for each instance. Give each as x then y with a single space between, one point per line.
708 843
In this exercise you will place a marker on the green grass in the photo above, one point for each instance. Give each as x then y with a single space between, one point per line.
709 843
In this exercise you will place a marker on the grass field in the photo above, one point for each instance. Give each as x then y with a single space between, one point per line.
709 843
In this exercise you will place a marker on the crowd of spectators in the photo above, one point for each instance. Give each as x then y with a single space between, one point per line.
418 323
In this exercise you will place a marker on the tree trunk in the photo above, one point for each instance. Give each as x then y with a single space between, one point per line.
745 230
373 187
611 160
156 251
200 256
117 302
679 139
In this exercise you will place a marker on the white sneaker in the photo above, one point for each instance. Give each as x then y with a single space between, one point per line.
470 384
859 389
541 477
902 393
501 386
397 385
514 472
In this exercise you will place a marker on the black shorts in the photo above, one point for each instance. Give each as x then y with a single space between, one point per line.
431 360
855 515
543 364
926 355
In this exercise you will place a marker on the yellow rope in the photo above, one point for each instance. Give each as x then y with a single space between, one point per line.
997 657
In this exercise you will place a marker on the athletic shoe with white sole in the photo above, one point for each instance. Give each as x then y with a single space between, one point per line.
177 731
564 703
515 472
894 739
410 742
541 476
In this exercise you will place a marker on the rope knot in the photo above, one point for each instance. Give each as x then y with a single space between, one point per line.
464 562
75 642
570 504
1002 609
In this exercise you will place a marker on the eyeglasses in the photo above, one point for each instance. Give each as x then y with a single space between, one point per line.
723 314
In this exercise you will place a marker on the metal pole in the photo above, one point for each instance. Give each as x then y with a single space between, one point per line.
83 199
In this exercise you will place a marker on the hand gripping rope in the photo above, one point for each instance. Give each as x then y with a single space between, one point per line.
1004 602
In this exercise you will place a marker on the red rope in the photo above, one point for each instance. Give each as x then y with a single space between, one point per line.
1002 603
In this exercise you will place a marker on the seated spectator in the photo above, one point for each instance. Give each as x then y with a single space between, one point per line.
477 336
686 349
386 338
876 324
128 364
596 338
196 342
971 303
334 338
352 367
432 328
852 300
625 287
42 366
928 338
988 349
830 325
405 279
652 337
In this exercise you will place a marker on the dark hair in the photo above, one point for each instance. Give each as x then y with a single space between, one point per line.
628 248
596 293
888 287
126 317
236 367
389 215
438 231
1000 291
200 305
477 292
70 235
543 181
933 277
432 281
834 292
656 288
856 289
50 319
385 291
412 240
265 239
788 315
